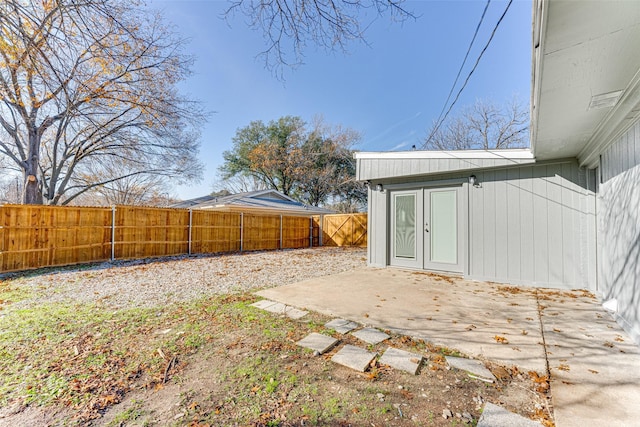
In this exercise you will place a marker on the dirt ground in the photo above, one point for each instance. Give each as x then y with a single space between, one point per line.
312 390
218 361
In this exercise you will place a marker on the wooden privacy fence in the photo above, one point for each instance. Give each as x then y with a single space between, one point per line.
342 230
33 236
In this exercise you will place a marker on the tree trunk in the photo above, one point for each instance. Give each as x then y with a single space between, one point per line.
32 194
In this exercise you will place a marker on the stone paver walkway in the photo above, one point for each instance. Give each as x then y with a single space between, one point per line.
402 360
370 335
354 357
474 368
318 342
594 364
341 326
359 359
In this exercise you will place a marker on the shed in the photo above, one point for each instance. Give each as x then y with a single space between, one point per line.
564 213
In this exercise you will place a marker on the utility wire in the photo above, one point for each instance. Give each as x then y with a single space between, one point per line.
464 61
486 46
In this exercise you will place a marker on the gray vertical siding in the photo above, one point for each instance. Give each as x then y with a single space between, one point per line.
387 168
622 155
377 228
619 228
527 226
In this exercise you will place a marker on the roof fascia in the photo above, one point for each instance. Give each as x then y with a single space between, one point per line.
539 34
514 154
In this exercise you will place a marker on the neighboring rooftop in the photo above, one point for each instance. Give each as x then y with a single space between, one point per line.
271 201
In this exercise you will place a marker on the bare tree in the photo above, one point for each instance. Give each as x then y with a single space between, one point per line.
129 189
10 189
484 125
237 184
85 81
288 25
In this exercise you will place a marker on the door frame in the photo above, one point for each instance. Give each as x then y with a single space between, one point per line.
419 188
417 261
458 267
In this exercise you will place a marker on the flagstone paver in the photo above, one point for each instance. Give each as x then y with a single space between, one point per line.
474 368
370 335
294 313
318 342
263 304
495 416
354 357
341 326
279 308
402 360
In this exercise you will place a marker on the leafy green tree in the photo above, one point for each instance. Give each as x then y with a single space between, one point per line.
266 152
314 166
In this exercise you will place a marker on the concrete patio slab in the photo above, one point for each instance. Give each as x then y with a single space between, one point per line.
370 335
402 360
472 367
451 312
354 357
495 416
595 367
341 326
318 342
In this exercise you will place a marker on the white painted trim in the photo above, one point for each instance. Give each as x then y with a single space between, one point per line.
513 154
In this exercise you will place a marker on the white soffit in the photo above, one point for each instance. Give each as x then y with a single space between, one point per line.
586 76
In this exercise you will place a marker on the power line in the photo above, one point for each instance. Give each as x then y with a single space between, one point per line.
464 61
486 46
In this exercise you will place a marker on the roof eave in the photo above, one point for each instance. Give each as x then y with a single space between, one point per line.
515 154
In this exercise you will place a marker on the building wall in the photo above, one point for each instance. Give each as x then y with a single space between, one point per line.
530 225
533 225
377 228
619 228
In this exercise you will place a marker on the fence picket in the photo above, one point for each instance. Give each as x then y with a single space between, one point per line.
34 236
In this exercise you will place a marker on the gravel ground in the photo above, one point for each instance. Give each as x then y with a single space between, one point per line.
159 281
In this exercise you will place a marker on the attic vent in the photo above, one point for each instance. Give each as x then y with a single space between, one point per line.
605 100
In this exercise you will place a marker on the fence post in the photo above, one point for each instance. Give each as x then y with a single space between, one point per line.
113 233
353 225
320 228
241 229
310 231
190 226
281 231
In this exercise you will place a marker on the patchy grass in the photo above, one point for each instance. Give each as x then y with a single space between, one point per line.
218 361
11 292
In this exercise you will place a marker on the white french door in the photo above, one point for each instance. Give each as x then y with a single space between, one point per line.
426 229
406 228
442 229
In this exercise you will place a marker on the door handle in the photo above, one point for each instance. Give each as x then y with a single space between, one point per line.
426 227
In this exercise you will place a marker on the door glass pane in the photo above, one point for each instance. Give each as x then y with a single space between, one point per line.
405 224
444 231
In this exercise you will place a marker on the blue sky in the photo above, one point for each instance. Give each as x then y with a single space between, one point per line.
390 90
